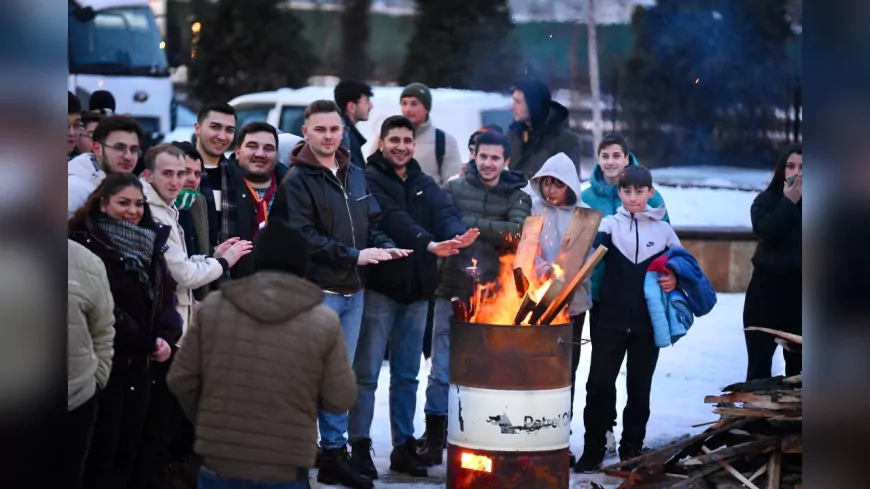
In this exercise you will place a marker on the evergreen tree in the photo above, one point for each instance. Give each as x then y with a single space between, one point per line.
249 46
355 20
704 81
463 44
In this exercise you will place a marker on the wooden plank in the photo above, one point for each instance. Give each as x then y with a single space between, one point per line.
774 471
794 338
771 384
758 473
777 406
578 238
744 448
527 250
696 476
568 291
552 293
787 396
731 470
752 413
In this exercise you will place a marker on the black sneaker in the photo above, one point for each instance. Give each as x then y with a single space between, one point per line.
361 458
335 469
591 460
572 459
404 459
630 451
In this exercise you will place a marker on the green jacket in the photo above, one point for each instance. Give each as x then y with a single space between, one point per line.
498 212
605 198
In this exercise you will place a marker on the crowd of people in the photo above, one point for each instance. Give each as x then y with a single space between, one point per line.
229 315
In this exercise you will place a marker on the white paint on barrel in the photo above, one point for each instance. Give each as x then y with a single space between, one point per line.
504 421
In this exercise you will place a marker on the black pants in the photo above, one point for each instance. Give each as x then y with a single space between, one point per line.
122 408
577 335
79 431
609 349
772 301
427 335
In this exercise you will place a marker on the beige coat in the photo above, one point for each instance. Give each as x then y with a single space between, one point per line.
188 272
263 355
90 325
424 153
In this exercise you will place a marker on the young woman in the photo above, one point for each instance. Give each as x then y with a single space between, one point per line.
773 298
116 225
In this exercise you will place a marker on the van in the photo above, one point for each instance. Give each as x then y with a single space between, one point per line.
457 112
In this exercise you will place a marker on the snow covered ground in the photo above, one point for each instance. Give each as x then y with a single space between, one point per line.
710 357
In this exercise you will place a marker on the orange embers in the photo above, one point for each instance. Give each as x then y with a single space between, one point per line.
498 302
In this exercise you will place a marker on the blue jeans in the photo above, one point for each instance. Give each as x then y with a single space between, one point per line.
210 480
439 375
402 326
350 311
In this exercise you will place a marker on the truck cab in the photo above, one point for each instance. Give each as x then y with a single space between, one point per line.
116 45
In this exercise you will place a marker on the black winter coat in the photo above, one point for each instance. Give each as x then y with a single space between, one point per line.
139 321
415 213
353 140
530 149
777 223
336 214
498 212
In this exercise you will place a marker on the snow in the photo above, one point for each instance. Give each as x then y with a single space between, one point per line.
713 176
710 357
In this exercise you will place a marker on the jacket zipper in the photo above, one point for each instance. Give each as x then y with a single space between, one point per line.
636 239
352 229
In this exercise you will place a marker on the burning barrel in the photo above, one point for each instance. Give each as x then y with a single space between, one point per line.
510 406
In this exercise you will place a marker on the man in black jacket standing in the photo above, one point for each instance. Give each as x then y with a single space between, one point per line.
354 101
417 215
326 198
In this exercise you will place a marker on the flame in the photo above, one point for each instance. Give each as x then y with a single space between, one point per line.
474 262
499 302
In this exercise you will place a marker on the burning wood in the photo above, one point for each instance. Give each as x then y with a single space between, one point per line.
524 261
568 291
760 431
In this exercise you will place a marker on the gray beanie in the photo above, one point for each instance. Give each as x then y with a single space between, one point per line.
420 92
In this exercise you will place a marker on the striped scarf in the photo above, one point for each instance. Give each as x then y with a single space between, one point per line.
134 243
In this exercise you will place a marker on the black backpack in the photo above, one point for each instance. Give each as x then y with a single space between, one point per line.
440 143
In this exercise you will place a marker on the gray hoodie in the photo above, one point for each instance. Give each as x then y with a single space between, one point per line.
556 219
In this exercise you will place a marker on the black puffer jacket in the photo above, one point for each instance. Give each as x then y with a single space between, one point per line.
777 222
337 215
415 213
498 212
532 147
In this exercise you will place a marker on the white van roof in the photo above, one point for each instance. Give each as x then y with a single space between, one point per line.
307 95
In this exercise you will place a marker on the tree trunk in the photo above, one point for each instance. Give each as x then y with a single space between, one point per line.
355 21
594 78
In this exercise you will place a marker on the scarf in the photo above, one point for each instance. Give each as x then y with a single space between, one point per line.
262 201
185 199
134 243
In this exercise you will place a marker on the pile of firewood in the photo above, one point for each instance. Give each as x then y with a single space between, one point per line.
757 442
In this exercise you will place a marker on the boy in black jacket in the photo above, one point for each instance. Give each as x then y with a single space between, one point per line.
635 236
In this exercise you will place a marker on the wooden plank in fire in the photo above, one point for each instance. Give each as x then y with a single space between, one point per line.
524 261
567 291
578 240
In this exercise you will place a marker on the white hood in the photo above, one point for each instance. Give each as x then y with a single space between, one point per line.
561 167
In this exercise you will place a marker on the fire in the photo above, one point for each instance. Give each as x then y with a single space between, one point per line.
499 301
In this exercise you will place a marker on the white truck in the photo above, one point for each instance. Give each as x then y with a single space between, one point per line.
116 45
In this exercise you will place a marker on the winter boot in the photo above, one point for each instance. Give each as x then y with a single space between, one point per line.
361 457
335 469
628 451
404 459
591 460
433 452
572 459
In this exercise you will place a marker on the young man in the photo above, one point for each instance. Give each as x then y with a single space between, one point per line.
90 119
437 152
192 208
326 198
491 199
417 215
215 128
540 128
116 149
354 100
74 126
636 235
255 176
254 401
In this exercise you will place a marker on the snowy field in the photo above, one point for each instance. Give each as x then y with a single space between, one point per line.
710 357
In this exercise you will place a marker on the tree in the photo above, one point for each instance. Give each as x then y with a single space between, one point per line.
705 79
594 77
249 46
463 44
355 22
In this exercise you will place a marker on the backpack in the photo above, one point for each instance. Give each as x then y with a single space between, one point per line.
440 143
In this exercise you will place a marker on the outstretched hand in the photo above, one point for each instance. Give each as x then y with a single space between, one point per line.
445 248
469 237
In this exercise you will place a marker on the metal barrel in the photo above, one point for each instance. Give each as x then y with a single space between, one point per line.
509 419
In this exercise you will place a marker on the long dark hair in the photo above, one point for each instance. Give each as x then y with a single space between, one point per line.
778 180
110 186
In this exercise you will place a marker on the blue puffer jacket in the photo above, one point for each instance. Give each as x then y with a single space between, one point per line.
670 313
699 291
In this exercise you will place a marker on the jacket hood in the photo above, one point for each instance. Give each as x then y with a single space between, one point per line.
651 213
561 167
509 181
303 156
85 166
272 297
599 186
553 118
377 161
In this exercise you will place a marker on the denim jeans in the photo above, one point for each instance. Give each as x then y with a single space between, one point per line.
439 375
210 480
386 321
350 311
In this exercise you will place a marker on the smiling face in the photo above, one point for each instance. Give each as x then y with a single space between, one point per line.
398 146
194 173
323 132
490 163
168 176
256 156
126 205
215 134
612 159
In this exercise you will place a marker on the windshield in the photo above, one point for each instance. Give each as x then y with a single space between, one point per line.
251 113
122 41
292 119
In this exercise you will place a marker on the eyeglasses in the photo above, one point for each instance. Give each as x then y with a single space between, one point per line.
76 126
123 149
